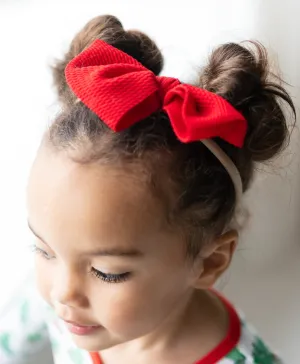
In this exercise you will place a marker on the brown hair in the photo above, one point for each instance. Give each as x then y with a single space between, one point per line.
200 193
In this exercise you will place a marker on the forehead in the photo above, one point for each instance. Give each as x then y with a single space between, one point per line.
68 201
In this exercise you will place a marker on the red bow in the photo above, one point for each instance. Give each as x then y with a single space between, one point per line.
122 92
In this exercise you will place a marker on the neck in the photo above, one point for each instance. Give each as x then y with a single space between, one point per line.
169 331
197 324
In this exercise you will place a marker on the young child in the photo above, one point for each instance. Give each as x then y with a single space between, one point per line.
133 198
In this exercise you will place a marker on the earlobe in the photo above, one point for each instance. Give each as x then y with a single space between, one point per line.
216 258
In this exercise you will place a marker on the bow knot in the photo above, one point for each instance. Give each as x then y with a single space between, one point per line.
166 84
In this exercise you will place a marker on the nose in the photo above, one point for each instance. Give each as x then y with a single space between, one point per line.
69 288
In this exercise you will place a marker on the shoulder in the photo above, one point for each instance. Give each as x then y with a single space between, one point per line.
250 349
23 330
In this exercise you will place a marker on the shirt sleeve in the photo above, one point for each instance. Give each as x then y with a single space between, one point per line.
23 331
251 349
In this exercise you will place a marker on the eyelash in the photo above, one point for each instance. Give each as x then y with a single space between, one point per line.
105 277
44 254
110 278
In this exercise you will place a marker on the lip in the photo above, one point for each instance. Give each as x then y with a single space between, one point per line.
79 329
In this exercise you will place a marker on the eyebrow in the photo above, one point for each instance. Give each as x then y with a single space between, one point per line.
113 252
117 252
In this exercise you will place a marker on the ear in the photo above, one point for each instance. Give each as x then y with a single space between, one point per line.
215 259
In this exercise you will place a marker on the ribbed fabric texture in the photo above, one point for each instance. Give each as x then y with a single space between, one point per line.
123 92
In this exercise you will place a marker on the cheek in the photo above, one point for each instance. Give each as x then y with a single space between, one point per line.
137 307
43 278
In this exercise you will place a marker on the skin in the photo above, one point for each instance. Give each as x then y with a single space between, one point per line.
89 216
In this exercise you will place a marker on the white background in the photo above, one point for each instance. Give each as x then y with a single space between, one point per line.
264 280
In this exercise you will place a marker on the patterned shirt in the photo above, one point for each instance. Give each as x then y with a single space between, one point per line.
27 325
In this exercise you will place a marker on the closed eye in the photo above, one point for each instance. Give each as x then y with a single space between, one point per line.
105 277
42 252
109 277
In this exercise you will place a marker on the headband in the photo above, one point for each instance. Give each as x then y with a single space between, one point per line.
122 92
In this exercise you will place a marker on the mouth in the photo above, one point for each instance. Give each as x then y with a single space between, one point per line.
79 329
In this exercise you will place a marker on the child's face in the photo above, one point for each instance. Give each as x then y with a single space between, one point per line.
90 217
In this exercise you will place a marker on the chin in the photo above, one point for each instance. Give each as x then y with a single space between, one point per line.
94 343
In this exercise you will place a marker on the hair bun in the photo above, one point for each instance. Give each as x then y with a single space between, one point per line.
242 76
142 48
109 29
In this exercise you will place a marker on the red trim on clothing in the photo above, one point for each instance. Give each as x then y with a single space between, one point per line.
230 341
96 358
221 350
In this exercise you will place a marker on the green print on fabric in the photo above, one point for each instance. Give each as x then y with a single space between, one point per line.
54 345
261 353
236 356
34 338
24 312
5 343
76 356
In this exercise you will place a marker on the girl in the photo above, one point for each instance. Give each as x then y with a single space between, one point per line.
133 198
